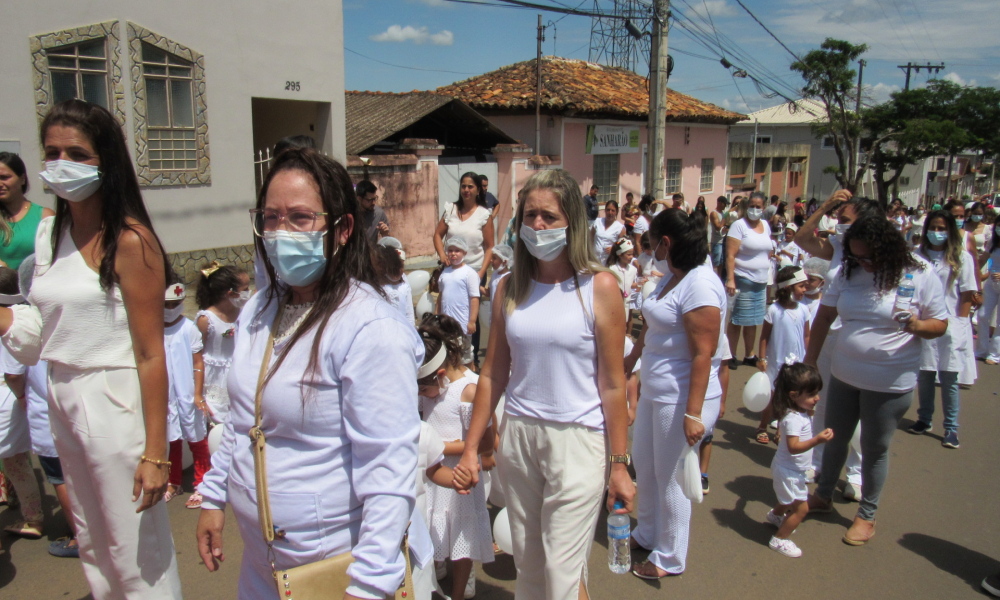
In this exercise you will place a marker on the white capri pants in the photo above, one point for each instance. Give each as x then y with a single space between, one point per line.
664 511
97 424
554 475
823 364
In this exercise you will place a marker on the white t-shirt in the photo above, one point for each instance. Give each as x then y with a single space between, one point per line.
827 223
872 353
495 281
754 256
647 264
812 303
666 356
605 237
458 287
641 225
799 425
947 353
400 295
965 280
470 230
36 391
787 336
790 252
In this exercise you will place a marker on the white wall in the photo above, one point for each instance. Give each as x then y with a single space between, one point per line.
250 51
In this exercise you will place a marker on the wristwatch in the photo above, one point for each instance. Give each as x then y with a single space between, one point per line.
621 458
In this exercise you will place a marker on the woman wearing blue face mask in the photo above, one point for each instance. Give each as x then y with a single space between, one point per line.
556 347
943 358
96 316
321 358
748 260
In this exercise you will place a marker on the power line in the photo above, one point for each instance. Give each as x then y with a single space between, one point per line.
406 67
769 32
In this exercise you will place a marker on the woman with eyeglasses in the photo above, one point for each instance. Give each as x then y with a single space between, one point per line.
876 356
340 475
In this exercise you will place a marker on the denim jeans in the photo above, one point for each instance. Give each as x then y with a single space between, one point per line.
949 397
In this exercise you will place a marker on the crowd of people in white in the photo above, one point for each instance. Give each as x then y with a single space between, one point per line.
351 437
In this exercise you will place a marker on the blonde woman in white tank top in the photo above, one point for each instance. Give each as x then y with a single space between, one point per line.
556 347
96 316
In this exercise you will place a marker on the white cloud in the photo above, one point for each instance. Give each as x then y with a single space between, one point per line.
879 93
956 78
716 8
409 33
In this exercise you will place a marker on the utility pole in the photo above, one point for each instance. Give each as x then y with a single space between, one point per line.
659 60
912 67
857 115
538 88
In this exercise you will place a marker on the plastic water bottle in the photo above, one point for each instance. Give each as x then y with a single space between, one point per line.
619 532
904 298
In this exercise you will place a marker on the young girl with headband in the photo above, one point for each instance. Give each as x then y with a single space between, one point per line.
620 262
785 333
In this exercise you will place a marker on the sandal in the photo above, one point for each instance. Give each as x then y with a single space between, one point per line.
172 490
762 437
194 501
642 571
25 529
858 539
63 549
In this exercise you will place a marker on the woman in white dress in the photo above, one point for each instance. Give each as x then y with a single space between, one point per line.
556 347
96 316
607 231
340 473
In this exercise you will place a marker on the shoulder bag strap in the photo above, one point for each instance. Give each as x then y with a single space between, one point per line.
258 443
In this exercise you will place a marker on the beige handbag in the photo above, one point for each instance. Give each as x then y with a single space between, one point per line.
326 579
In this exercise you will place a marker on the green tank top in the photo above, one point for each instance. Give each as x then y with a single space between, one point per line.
22 240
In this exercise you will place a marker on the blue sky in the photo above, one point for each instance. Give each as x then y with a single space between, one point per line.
452 41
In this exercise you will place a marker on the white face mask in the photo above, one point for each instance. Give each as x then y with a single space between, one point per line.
842 228
240 300
754 214
70 180
546 244
815 292
172 314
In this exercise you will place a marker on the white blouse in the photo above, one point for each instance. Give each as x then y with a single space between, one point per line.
470 230
341 474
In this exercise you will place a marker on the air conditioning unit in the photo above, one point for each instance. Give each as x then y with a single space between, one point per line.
796 167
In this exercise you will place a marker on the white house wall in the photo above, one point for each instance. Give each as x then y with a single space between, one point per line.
249 52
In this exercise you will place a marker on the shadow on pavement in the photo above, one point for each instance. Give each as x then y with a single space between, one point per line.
739 521
741 438
968 565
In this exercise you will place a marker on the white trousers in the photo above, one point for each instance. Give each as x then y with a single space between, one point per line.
664 511
985 345
99 432
824 364
554 476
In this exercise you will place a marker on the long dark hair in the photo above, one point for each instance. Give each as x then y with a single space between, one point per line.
890 254
350 264
16 165
121 200
953 246
480 195
689 239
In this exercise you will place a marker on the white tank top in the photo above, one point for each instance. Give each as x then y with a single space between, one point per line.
553 355
83 326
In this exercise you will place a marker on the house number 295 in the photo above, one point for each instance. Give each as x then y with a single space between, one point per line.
292 86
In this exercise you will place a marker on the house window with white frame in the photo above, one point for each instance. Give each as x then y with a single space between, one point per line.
828 142
606 177
673 182
80 71
707 174
170 105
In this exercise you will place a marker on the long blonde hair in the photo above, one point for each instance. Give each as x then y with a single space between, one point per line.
579 250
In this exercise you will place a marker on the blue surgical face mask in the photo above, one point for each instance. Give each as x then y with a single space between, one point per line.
937 238
298 257
976 218
960 223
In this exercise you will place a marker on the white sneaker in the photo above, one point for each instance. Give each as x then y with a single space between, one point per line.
786 547
773 424
774 519
440 569
852 491
470 585
810 475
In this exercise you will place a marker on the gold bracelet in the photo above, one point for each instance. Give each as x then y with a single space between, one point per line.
159 463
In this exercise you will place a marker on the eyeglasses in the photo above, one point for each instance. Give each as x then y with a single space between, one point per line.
264 219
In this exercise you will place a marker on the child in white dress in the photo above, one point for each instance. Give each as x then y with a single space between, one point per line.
186 419
785 334
620 261
393 279
222 292
459 524
502 261
796 393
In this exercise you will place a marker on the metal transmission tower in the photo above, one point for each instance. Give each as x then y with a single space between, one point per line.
610 42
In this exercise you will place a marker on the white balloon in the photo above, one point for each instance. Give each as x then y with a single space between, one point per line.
757 393
856 438
214 439
424 306
648 288
418 282
501 532
187 459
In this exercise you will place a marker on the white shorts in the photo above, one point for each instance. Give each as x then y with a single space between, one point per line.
467 350
789 485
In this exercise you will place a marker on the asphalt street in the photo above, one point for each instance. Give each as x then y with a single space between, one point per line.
936 528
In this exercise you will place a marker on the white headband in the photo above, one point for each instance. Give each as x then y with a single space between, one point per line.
799 277
433 364
175 292
11 298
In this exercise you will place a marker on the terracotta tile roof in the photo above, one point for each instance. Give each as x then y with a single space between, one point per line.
581 87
